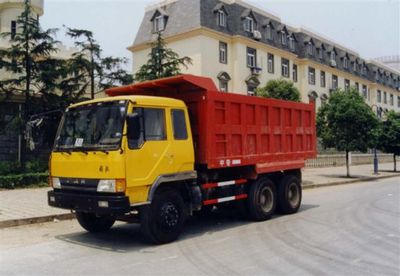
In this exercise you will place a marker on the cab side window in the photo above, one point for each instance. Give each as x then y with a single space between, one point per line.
148 124
179 124
154 124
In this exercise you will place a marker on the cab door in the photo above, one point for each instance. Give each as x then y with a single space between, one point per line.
151 154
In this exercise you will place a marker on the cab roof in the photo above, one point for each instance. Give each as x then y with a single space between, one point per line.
137 100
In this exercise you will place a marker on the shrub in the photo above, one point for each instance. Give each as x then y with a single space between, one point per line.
23 180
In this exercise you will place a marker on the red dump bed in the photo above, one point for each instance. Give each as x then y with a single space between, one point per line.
235 130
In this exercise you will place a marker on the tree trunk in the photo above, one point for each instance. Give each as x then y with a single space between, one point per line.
394 162
347 164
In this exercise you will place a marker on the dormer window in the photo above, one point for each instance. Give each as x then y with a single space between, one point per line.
221 18
159 21
249 24
333 55
355 66
310 49
292 45
283 38
321 53
269 32
345 62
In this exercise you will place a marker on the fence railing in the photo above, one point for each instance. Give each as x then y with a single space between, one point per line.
332 160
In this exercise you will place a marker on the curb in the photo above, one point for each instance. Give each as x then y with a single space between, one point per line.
26 221
319 185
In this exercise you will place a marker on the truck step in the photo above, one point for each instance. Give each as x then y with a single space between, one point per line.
224 183
224 199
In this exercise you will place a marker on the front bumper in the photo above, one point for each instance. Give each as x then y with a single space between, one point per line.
117 204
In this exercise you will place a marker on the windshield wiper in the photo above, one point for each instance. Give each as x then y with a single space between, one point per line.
81 149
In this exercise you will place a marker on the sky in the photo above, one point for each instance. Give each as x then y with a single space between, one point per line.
369 27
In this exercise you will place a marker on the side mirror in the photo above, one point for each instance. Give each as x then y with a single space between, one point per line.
134 126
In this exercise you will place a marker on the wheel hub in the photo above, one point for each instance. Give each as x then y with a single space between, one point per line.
169 215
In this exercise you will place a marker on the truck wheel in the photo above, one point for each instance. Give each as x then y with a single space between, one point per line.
95 223
162 221
261 200
289 194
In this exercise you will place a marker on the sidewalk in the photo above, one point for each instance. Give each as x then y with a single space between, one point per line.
26 206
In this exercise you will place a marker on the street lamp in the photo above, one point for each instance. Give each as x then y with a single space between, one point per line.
375 155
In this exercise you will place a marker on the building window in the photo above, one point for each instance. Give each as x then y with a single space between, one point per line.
355 65
283 38
221 18
223 52
323 80
345 63
384 97
334 82
398 101
310 49
379 96
251 57
321 53
346 84
285 68
159 23
294 73
269 32
249 24
333 56
292 45
13 29
270 63
357 86
365 91
223 85
224 79
311 75
391 99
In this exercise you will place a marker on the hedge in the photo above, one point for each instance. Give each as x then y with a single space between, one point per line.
23 180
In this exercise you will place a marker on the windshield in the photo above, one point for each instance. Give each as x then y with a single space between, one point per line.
94 126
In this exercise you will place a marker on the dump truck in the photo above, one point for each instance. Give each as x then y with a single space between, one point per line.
159 151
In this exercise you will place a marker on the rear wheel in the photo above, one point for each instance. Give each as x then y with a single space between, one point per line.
289 194
95 223
261 202
162 221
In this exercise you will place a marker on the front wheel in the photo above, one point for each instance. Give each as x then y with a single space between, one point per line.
289 194
261 200
95 223
162 221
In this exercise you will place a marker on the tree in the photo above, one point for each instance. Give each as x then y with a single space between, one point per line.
163 62
389 138
29 63
87 67
347 123
279 89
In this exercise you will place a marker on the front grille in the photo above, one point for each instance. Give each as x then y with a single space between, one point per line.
79 184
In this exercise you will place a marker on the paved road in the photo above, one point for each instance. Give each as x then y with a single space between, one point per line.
349 229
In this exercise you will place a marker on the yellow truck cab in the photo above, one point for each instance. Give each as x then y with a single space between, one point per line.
96 167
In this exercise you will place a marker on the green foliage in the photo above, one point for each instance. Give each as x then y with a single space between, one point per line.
23 180
279 89
162 62
87 68
389 136
14 167
346 122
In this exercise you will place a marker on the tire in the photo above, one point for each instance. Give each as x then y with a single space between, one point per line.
289 194
162 221
261 202
95 223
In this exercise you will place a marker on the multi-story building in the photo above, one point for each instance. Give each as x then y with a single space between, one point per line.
242 47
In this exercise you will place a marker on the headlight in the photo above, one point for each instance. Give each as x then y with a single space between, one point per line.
111 185
106 186
56 183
